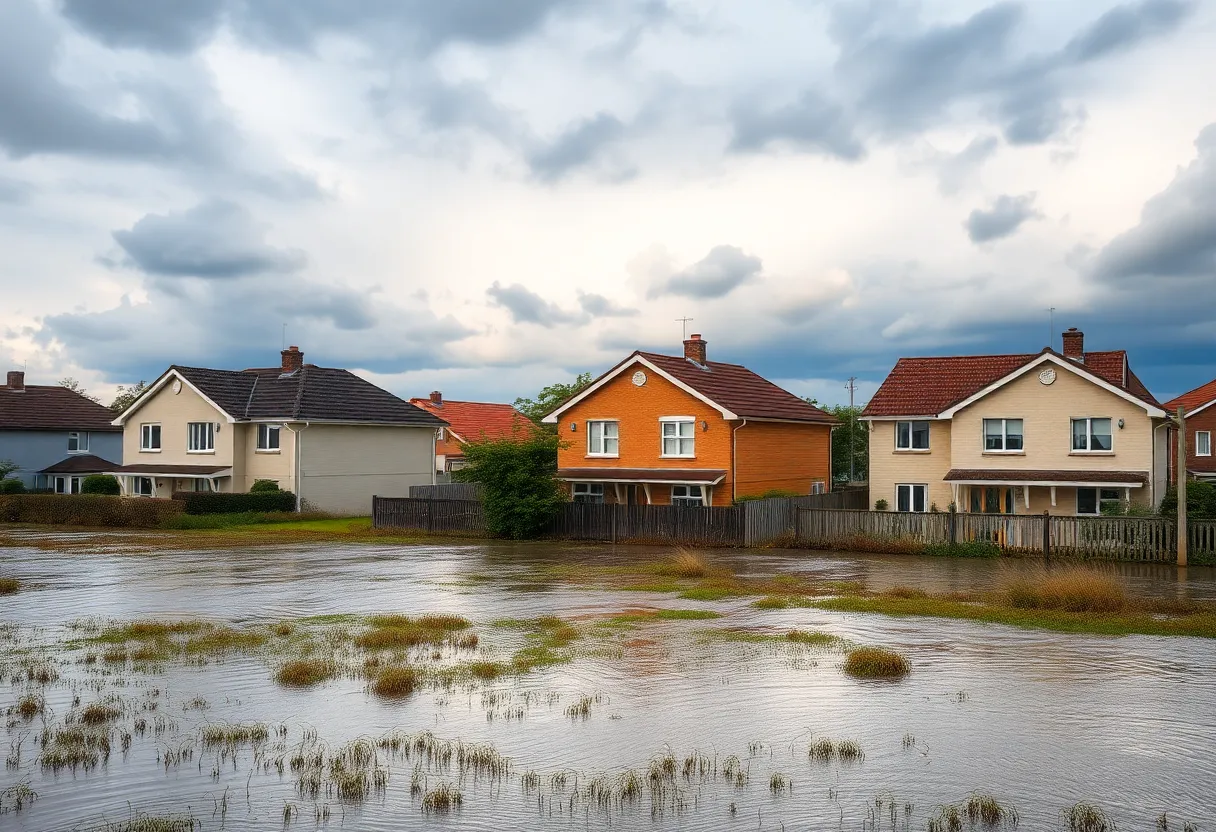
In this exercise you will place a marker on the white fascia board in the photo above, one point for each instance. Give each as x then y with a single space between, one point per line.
159 385
703 481
1189 413
552 418
1051 483
1078 370
935 418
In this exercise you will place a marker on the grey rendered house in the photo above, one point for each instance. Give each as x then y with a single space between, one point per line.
329 436
57 436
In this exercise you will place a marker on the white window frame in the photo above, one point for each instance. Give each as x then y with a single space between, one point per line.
589 492
911 446
603 448
686 495
1089 434
1004 449
71 484
1207 442
1098 500
204 483
912 486
263 441
678 422
205 431
819 487
81 438
135 489
145 437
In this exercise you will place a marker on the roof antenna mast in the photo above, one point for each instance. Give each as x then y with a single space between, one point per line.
684 322
1051 327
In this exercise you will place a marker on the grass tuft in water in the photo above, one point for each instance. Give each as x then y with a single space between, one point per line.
395 682
28 706
685 564
99 713
303 673
234 734
140 822
876 663
779 783
1085 817
9 586
486 670
16 797
442 799
979 811
1069 589
813 639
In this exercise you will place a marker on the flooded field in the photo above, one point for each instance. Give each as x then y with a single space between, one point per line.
283 687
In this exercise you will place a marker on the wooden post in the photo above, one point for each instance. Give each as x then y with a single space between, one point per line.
430 510
953 520
375 512
1046 535
1182 541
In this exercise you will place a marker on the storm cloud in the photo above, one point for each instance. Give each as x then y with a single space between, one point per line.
527 307
718 273
1002 219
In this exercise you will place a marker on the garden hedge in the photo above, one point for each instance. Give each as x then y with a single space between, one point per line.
219 502
86 510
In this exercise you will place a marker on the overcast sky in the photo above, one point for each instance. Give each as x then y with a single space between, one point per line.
486 196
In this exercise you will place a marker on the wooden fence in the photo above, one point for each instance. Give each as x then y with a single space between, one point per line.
691 525
775 519
447 491
1109 538
439 516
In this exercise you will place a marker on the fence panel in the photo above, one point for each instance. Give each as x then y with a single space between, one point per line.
1115 538
826 526
1017 532
692 525
1201 537
447 491
441 516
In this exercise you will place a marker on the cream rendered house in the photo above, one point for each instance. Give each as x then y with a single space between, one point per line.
325 434
1071 434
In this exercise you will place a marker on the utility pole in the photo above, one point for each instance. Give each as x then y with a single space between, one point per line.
684 322
852 388
1181 475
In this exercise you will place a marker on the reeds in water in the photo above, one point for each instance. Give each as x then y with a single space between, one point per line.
1085 817
395 682
1068 589
303 673
979 811
876 663
442 799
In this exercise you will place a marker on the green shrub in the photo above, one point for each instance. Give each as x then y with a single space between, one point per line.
1200 501
881 505
218 502
767 495
100 484
966 549
87 510
520 492
263 486
12 486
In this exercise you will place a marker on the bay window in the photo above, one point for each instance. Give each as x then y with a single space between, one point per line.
912 436
200 437
603 438
678 437
1003 435
1091 435
911 497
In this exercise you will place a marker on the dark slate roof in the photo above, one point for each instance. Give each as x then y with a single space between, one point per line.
1018 475
43 407
81 464
310 393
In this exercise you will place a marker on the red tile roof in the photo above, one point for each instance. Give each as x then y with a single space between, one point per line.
51 407
1020 475
738 389
471 421
1196 398
929 386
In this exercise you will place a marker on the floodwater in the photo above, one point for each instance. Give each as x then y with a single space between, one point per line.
1040 720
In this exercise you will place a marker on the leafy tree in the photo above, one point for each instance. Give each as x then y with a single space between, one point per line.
7 466
851 440
548 399
12 486
75 386
126 396
519 487
100 484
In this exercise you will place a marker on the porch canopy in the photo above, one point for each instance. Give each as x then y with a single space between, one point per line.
183 472
80 465
1052 479
704 478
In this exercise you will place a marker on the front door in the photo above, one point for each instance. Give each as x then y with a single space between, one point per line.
991 500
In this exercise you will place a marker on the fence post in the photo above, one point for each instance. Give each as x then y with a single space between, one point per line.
953 522
1046 535
375 512
613 534
430 512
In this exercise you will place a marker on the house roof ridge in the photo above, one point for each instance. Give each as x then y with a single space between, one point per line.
295 409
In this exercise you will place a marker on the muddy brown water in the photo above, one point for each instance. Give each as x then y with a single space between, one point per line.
1040 720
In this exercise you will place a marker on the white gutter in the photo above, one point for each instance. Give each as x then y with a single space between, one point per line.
299 477
734 460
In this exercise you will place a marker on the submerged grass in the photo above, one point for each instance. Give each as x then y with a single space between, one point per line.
1085 817
395 682
9 586
140 822
876 663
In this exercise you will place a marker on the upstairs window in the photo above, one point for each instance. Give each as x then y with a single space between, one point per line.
78 442
1203 443
678 437
588 492
200 437
912 436
149 437
268 437
603 438
687 495
1091 435
1002 434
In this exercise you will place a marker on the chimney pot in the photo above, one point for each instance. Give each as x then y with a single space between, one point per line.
437 398
16 380
293 359
694 349
1074 343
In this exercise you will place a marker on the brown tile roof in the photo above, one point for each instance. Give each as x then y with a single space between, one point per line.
155 470
1017 475
477 420
81 464
738 389
51 407
929 386
311 393
1204 394
689 475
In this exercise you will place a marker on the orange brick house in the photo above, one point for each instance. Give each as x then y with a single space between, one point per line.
660 429
1199 406
469 422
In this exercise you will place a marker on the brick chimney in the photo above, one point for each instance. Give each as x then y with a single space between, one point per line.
436 398
694 349
1074 344
293 359
16 380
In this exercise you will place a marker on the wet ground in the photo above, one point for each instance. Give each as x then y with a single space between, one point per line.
1039 720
